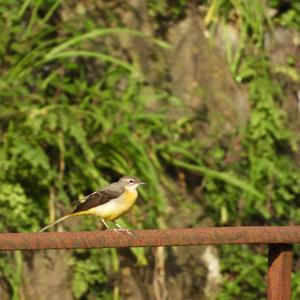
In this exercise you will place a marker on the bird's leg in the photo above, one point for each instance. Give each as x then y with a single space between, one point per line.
105 224
120 228
118 225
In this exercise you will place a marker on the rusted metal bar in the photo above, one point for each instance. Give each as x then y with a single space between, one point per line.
144 238
279 274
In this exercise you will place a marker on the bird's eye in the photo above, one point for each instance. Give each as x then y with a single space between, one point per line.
131 181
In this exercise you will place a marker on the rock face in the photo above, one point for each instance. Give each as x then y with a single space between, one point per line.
47 276
196 67
200 75
175 273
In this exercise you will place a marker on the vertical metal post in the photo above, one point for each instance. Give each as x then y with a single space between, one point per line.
279 273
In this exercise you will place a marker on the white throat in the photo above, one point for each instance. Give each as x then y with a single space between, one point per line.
132 187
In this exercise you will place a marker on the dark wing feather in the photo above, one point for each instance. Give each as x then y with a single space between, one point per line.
98 198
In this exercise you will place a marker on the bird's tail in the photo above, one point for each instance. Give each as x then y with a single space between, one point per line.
55 222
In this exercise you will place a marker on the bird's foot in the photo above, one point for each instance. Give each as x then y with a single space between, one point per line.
120 228
123 230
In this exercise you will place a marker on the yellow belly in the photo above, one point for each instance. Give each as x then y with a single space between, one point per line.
115 208
128 201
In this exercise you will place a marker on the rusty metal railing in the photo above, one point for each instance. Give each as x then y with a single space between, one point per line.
278 238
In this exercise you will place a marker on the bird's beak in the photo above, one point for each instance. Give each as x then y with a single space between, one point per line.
142 183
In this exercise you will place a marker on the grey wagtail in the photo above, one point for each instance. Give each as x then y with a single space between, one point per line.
109 203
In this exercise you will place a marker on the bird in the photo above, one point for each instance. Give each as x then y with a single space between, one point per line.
109 203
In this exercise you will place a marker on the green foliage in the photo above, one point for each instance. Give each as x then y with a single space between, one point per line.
14 213
67 130
89 270
166 9
247 271
266 145
290 16
11 270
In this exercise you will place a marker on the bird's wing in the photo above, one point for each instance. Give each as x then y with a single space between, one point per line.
98 198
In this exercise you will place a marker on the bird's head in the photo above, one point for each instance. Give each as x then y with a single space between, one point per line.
131 182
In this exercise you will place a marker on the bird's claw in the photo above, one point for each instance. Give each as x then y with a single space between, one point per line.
124 230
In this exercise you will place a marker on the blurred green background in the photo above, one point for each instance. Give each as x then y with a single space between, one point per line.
200 99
